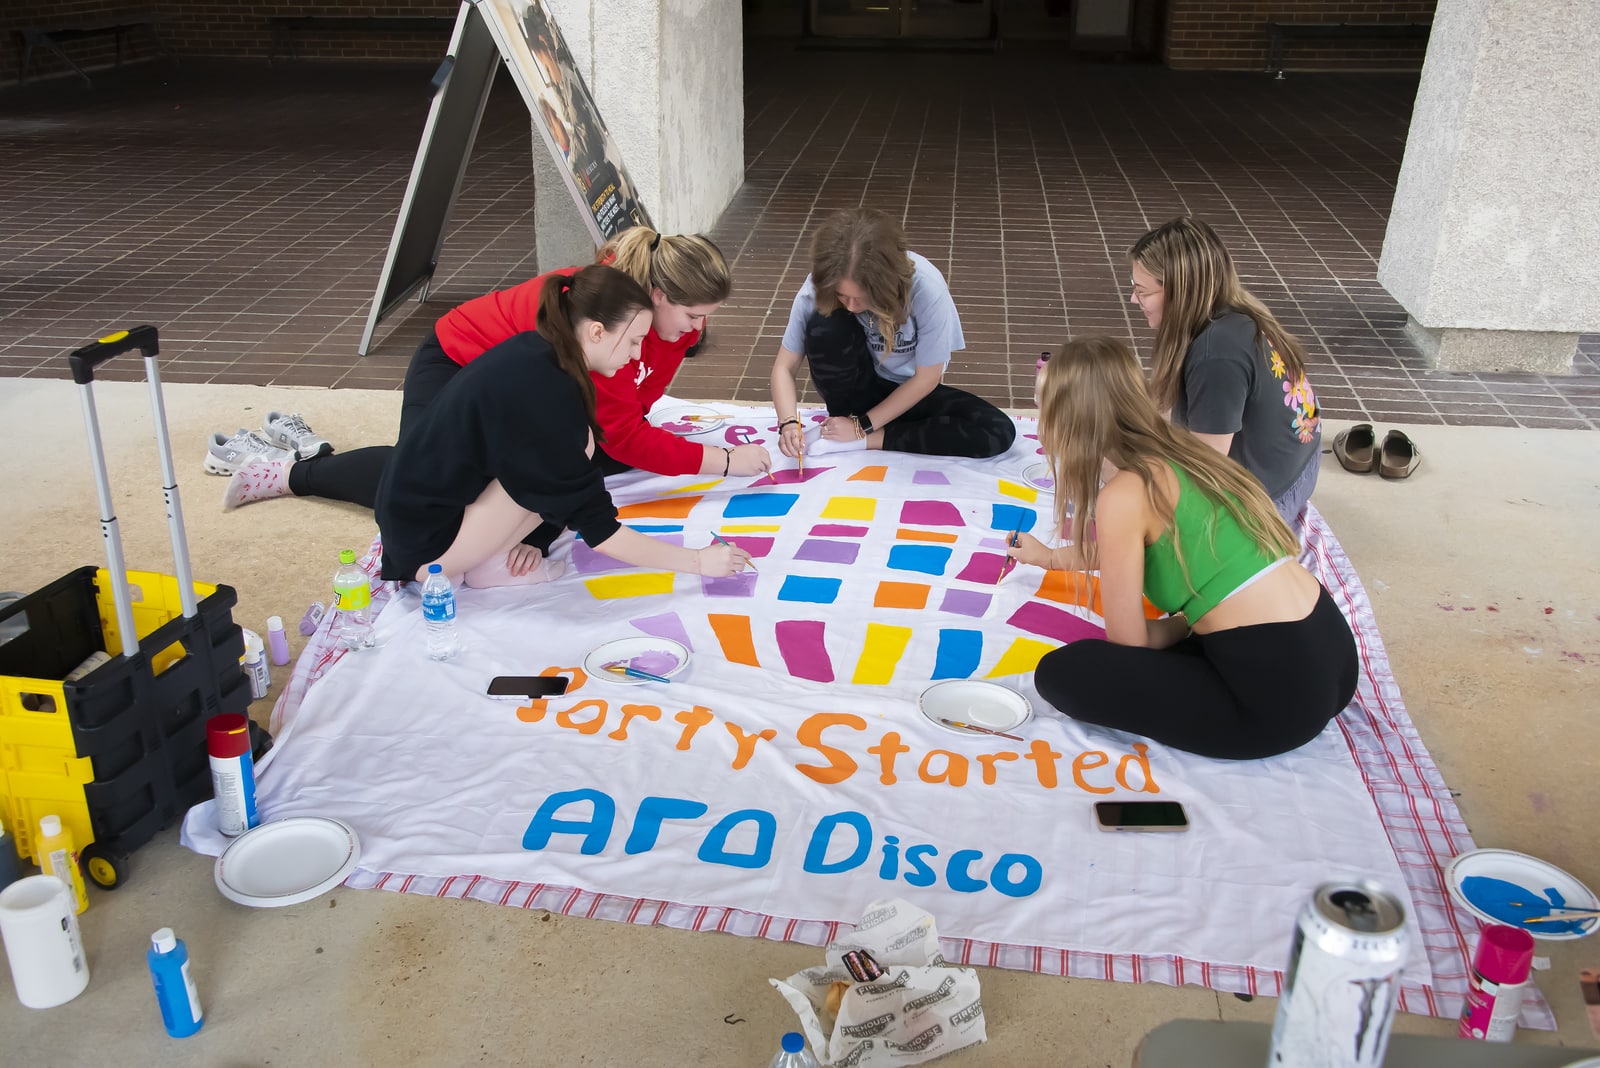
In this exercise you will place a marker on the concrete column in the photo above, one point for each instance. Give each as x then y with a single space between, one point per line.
1493 245
668 77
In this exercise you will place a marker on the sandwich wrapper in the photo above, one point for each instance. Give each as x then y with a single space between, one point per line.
919 1009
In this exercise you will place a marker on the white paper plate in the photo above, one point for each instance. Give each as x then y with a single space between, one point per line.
1533 875
673 418
627 649
287 861
983 704
1038 476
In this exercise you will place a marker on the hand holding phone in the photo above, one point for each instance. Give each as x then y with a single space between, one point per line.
1140 816
524 687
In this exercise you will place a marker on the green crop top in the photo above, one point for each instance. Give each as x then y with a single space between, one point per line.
1216 567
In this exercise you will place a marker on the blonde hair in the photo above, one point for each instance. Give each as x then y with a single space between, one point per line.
1093 406
603 294
689 269
1199 282
868 248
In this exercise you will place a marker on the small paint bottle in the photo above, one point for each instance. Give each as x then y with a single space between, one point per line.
277 640
168 958
313 616
254 665
1495 984
233 773
58 856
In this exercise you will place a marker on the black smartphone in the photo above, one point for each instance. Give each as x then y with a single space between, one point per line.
1140 816
523 686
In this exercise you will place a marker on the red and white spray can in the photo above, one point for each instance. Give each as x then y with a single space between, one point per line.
1494 987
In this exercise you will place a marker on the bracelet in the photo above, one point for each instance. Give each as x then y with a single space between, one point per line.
786 422
727 461
856 419
864 424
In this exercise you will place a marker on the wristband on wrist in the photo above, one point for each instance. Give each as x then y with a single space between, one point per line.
864 424
727 461
786 422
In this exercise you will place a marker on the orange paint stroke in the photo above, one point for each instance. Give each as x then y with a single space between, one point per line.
1067 587
677 508
733 632
869 474
908 534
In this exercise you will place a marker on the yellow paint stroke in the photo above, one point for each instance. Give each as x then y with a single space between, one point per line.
1023 656
698 487
869 474
632 584
884 647
674 509
1019 491
909 534
850 508
733 634
750 528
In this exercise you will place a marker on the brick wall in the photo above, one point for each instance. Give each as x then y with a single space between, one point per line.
1232 34
222 28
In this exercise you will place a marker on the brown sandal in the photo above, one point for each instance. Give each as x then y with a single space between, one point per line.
1399 456
1356 449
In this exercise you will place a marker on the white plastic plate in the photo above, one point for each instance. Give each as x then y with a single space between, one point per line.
1038 476
647 651
982 704
687 419
1531 874
287 861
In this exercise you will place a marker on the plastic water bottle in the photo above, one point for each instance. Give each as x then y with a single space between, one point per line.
352 599
794 1053
439 612
168 958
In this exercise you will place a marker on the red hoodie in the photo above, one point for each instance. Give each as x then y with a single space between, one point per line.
468 331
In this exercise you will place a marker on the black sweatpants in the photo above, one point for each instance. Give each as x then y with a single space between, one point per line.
947 422
1236 694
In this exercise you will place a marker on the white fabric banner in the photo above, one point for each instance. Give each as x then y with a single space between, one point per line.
787 770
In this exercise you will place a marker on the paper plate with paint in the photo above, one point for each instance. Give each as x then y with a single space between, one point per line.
977 704
1502 886
1038 476
653 656
287 861
687 419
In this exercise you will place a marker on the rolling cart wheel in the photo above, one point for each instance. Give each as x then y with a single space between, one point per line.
106 869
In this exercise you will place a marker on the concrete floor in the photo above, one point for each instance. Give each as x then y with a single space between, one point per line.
1481 572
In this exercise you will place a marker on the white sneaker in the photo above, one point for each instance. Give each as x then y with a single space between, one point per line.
227 455
288 431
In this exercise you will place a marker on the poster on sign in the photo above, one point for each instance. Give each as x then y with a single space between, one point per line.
565 112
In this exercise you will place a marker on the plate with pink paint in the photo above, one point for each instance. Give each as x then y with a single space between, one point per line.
687 420
652 656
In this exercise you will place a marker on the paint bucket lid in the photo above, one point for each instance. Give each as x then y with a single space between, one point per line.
1510 888
287 861
981 704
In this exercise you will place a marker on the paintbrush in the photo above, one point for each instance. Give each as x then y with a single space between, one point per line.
1005 565
980 730
1570 914
634 673
730 545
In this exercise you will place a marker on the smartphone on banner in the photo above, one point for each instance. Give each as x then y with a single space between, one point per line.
521 687
1140 816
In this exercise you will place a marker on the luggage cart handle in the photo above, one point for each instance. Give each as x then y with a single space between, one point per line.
92 355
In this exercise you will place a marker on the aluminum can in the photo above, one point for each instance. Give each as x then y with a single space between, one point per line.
1343 979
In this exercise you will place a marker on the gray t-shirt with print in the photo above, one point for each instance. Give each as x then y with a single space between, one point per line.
1234 383
927 337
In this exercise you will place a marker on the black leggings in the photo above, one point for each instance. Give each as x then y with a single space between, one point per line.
947 422
1236 694
353 476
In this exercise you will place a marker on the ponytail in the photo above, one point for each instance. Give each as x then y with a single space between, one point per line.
689 269
598 294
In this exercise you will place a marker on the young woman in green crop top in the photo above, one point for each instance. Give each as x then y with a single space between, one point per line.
1253 657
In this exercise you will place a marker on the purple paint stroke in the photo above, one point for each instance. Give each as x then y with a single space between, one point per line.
788 476
829 552
666 625
930 478
1050 622
984 568
837 530
931 514
741 585
805 654
966 602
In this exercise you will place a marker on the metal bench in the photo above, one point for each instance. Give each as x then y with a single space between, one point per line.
284 27
1280 33
52 34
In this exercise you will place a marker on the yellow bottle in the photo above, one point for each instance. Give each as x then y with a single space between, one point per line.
59 857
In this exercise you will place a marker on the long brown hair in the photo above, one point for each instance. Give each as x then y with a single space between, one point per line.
602 294
689 269
1093 406
869 248
1199 282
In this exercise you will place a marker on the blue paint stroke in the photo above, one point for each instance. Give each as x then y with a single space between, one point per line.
812 590
927 559
959 653
656 528
745 505
1009 517
1495 897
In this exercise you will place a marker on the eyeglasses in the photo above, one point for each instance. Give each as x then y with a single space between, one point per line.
1044 358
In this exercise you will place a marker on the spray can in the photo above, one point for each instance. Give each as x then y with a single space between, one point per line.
168 958
1494 987
233 773
1343 979
254 665
58 856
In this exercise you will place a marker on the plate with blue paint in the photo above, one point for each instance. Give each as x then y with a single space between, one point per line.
1502 886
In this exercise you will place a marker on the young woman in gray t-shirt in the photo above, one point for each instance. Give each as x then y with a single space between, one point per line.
877 326
1224 366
